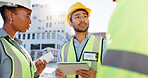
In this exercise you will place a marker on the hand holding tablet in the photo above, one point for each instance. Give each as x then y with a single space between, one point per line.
68 68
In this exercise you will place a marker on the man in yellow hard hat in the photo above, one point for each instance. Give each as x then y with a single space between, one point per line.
127 41
82 43
15 62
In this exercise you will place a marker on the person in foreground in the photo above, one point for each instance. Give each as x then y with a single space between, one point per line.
81 44
127 41
15 62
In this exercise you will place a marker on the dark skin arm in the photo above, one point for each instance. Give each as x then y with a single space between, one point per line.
91 73
59 73
40 66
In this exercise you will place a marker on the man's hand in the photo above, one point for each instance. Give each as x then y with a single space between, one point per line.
59 73
40 66
86 73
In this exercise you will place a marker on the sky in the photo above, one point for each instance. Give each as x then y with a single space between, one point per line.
101 11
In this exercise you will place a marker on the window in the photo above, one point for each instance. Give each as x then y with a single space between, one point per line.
28 36
53 35
54 30
47 18
19 36
50 31
39 20
48 35
43 35
58 30
35 46
46 24
33 5
48 45
38 35
50 24
62 31
50 17
39 28
23 36
33 36
24 45
34 17
36 4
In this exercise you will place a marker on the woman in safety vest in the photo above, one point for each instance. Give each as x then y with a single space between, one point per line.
15 62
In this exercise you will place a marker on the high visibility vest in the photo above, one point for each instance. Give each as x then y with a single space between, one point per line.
21 68
127 41
93 45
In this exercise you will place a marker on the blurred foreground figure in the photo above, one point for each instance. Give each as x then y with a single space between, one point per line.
127 41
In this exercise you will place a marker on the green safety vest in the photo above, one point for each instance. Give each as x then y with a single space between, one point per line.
21 68
127 41
93 45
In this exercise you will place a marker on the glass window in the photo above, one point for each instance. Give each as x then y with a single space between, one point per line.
39 20
50 24
24 45
23 36
50 31
46 24
39 28
47 18
48 35
54 30
50 17
33 5
62 31
43 35
48 45
35 46
58 30
34 17
28 36
38 35
33 36
19 36
53 35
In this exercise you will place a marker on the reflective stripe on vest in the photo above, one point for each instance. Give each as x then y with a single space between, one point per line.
15 63
20 66
94 44
127 60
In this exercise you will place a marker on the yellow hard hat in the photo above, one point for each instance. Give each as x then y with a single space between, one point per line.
74 7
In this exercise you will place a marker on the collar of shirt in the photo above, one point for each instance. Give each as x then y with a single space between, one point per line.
88 35
3 33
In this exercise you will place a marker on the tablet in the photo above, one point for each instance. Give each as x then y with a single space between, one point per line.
68 68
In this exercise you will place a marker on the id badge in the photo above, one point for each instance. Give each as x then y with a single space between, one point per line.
90 56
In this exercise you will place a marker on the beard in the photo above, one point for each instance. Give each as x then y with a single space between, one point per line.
80 30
